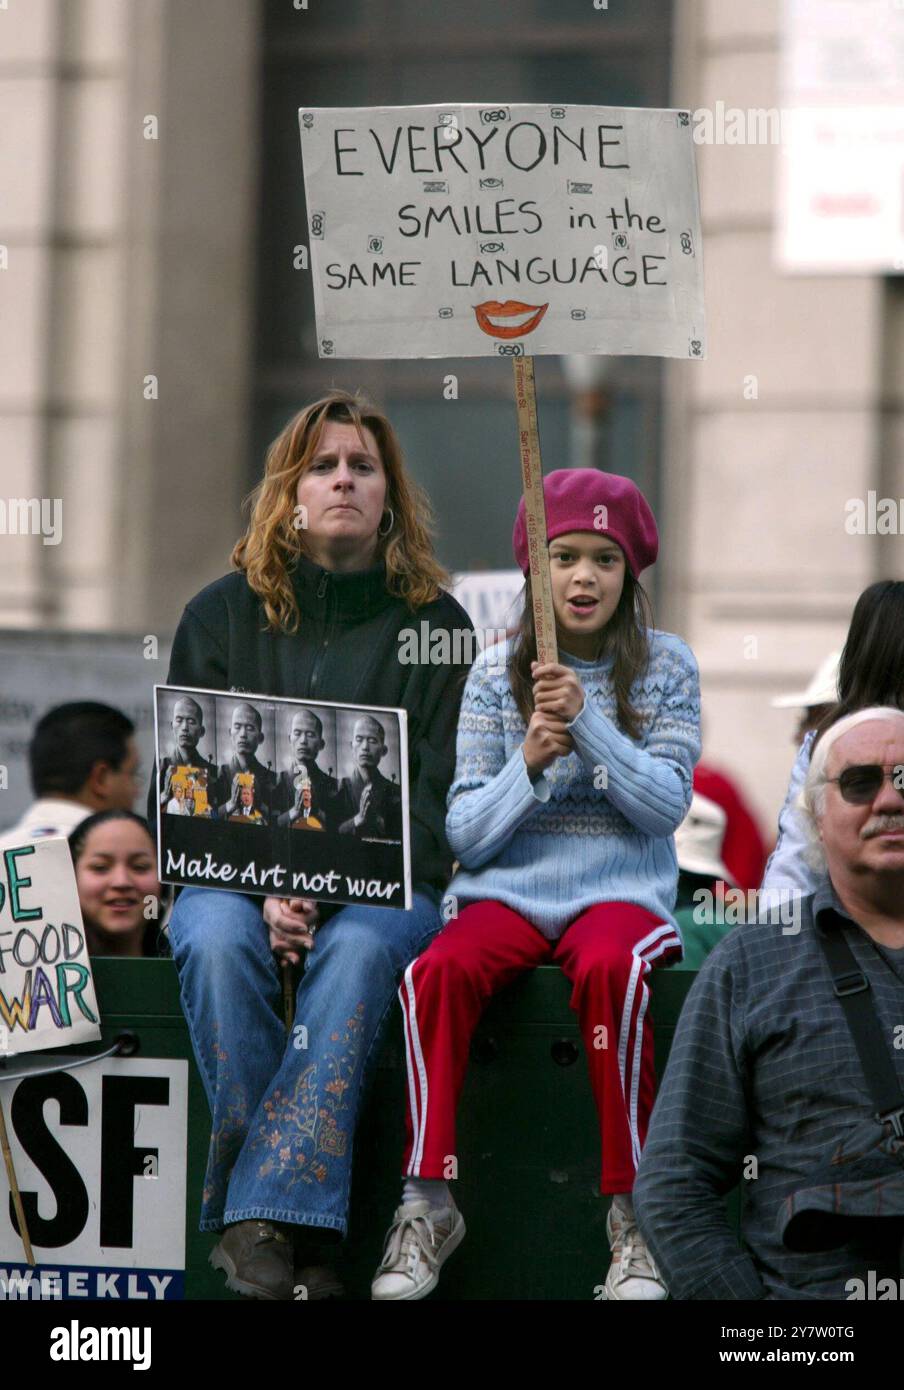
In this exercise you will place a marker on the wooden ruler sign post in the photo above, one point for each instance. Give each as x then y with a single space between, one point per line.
535 508
288 996
14 1188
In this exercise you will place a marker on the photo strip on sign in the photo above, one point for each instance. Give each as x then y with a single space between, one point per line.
294 798
466 231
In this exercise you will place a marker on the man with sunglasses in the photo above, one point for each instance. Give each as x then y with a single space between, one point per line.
766 1086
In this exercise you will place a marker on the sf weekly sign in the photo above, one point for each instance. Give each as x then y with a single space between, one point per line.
293 798
465 230
101 1156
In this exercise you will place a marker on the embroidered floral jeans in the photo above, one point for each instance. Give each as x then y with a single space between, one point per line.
284 1110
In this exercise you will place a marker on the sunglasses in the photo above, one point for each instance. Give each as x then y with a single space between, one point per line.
860 785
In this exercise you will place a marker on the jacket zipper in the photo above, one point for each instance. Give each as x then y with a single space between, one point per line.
318 660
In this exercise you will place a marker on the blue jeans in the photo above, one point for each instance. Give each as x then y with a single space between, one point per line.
284 1110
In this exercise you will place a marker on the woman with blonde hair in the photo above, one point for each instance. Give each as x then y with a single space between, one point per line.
335 564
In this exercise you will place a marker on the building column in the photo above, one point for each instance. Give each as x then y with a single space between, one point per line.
768 438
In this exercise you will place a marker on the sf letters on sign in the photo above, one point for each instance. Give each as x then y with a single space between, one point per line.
121 1159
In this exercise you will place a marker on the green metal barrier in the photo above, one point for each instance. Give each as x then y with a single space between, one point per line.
528 1148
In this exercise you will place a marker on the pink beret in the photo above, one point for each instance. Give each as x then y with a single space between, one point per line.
584 499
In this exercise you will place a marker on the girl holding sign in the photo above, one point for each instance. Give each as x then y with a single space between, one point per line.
571 779
335 567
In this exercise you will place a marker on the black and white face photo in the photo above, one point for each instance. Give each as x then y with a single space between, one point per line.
189 723
368 745
245 732
307 739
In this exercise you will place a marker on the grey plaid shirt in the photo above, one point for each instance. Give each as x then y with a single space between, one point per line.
762 1067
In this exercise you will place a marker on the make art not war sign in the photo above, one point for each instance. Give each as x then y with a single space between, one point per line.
46 988
468 231
264 795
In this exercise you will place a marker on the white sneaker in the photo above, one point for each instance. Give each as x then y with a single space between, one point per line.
417 1243
633 1275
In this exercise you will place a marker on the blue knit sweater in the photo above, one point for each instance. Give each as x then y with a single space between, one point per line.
553 847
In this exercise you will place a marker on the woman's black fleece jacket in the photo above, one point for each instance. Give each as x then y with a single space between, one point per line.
346 649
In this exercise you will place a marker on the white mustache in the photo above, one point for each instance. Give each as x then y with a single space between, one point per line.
879 824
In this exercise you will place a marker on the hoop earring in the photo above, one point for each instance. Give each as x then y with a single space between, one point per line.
380 531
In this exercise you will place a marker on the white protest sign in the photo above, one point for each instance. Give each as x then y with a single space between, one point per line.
470 231
841 190
101 1156
47 994
489 597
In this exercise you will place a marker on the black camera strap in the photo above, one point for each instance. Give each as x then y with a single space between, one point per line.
852 989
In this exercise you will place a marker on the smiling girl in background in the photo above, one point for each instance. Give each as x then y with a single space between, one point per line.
571 778
116 874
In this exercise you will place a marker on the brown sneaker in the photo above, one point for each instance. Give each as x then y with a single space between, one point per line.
257 1259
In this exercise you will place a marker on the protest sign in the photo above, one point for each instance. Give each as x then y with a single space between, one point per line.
489 596
290 798
840 137
46 988
466 230
109 1221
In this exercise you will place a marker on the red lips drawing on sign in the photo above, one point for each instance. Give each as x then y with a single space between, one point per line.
522 318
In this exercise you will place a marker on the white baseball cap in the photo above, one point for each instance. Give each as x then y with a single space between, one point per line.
822 690
699 839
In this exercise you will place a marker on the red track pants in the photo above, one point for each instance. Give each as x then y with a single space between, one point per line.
606 953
